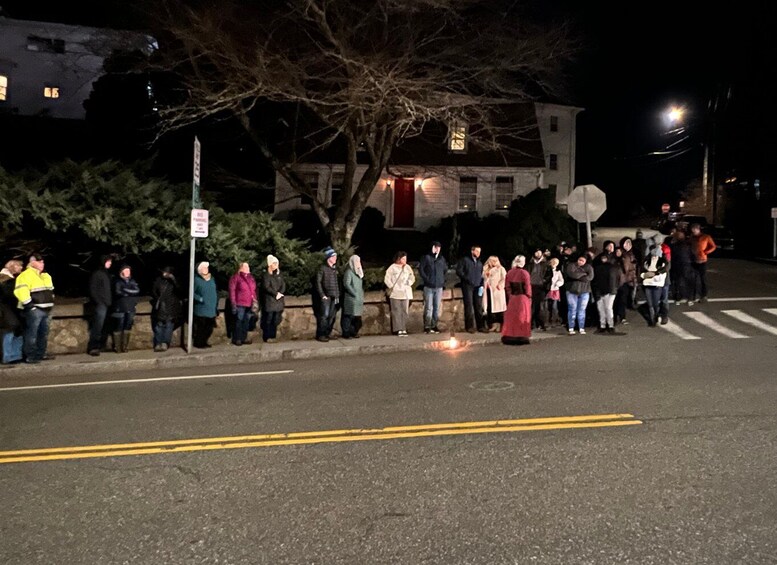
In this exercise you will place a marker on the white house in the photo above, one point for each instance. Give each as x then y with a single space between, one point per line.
47 69
437 175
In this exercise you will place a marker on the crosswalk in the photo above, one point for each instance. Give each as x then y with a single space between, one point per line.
732 324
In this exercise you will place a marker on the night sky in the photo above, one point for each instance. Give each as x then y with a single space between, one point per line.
635 61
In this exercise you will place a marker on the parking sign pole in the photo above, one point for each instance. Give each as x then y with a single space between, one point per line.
195 204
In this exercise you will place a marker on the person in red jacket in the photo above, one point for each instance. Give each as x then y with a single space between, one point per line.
242 296
702 245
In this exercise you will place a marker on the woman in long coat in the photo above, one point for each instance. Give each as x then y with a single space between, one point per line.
494 299
353 299
516 329
399 281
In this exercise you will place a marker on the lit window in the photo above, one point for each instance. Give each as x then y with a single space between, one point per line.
554 123
553 162
458 138
3 87
468 194
51 92
504 193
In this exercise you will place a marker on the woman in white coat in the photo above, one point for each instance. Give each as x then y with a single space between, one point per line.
399 281
494 299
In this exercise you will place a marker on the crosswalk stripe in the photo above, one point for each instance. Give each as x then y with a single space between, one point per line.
772 311
671 327
748 319
705 320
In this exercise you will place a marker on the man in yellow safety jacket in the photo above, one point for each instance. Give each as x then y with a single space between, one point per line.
35 293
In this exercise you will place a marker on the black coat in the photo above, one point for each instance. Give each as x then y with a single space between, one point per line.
606 279
269 287
470 271
126 293
432 270
9 315
100 290
164 299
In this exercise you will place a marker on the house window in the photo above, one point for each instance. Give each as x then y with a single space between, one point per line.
337 188
45 44
457 140
553 162
504 193
311 179
51 92
468 194
554 123
3 88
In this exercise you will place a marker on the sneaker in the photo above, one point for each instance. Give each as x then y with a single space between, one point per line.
94 352
402 333
322 339
690 303
427 330
571 331
435 330
158 348
683 301
581 331
600 330
164 346
624 322
611 331
664 321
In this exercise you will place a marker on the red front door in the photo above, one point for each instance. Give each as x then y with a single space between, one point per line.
404 203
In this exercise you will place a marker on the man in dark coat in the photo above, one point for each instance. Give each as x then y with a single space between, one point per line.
11 328
470 271
540 277
101 296
166 308
432 269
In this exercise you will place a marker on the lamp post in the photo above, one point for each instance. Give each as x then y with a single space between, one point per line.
675 118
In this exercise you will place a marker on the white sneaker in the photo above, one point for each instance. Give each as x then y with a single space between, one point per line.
571 331
581 331
690 303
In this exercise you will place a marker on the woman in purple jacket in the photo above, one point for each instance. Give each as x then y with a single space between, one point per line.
242 295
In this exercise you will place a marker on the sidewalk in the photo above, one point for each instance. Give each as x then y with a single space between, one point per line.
227 354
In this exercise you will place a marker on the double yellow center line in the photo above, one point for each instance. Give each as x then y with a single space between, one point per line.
326 436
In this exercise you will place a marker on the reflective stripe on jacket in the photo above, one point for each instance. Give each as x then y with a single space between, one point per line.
34 287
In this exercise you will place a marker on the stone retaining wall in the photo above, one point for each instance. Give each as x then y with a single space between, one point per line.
70 332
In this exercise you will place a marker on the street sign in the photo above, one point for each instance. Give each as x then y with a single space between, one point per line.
586 204
199 223
665 208
196 175
596 199
774 213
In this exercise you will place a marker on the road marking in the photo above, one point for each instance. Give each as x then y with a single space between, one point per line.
705 320
671 327
772 311
748 319
743 299
149 380
327 436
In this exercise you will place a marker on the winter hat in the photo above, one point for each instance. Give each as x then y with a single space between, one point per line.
436 244
271 259
167 269
329 252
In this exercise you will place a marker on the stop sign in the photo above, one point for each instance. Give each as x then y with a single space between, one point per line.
665 208
590 194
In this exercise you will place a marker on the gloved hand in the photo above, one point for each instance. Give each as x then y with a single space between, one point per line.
480 291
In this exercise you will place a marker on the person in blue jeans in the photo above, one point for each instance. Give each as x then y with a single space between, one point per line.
432 269
34 290
166 309
578 276
326 289
125 299
10 323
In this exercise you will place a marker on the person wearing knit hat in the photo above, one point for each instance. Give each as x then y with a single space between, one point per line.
272 288
326 291
125 299
206 306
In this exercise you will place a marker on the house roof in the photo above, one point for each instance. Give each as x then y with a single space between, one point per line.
519 144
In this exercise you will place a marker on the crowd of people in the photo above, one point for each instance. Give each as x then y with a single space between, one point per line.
551 288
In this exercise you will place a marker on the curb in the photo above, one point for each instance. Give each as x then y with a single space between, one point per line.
178 360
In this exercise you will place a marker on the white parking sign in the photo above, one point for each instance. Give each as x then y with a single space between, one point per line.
199 223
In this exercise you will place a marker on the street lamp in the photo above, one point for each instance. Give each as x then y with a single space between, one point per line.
674 117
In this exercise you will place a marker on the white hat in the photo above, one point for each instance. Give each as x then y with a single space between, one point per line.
271 259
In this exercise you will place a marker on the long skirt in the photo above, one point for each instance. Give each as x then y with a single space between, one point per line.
516 329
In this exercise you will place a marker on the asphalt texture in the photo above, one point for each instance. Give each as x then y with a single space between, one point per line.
695 482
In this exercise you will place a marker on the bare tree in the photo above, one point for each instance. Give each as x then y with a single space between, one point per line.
366 74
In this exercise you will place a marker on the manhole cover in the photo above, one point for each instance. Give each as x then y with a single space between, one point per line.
492 385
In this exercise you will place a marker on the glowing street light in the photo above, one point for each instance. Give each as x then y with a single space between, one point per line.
675 114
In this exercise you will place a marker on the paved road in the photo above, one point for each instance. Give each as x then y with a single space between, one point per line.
692 479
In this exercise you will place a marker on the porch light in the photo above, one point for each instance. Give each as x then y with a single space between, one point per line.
388 183
419 183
